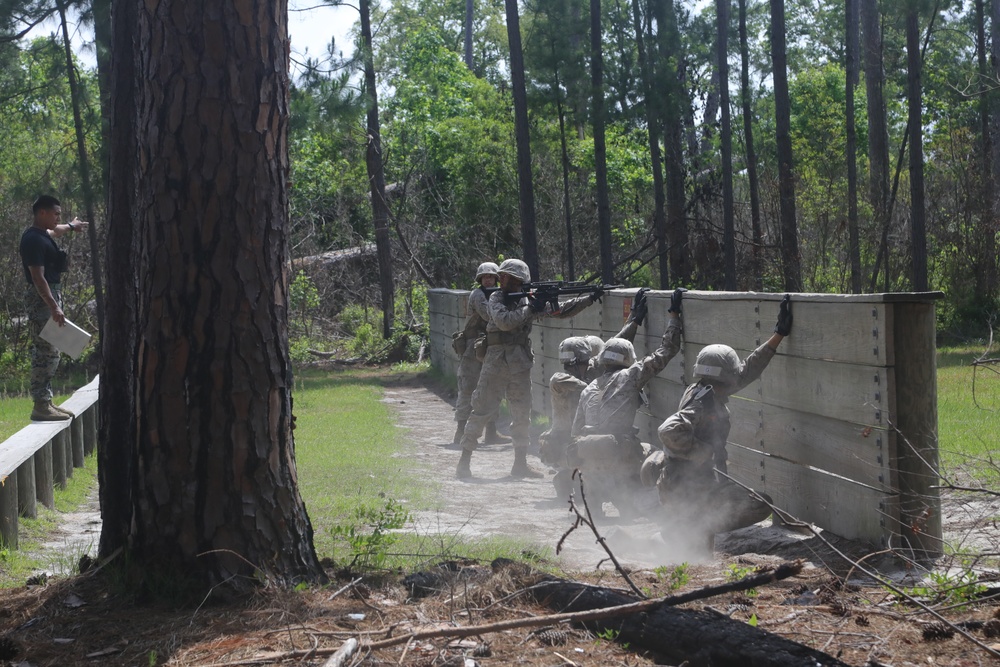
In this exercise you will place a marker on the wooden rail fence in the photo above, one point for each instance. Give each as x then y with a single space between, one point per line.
841 429
42 455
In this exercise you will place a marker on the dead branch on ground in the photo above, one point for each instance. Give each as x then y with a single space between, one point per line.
588 521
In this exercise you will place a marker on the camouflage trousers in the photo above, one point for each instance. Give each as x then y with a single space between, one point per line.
468 378
497 380
44 357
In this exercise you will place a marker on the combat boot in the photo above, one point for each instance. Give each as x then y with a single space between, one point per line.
44 411
66 412
463 471
521 467
494 438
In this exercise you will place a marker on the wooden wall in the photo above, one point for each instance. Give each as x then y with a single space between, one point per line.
841 429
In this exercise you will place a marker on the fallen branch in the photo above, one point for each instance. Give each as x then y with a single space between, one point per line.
883 581
589 522
343 654
781 572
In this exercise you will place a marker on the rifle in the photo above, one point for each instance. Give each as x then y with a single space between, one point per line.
550 291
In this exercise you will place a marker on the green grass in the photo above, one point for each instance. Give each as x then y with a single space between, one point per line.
968 411
16 565
15 413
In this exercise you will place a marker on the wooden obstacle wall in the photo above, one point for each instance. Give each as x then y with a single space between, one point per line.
841 429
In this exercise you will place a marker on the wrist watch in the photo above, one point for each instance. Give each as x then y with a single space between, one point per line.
71 228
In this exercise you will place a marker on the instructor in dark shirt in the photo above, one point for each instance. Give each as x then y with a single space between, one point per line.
44 263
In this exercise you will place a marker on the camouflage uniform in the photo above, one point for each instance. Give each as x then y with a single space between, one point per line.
469 367
607 408
44 356
507 367
566 389
694 499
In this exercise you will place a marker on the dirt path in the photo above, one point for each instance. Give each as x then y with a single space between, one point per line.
493 503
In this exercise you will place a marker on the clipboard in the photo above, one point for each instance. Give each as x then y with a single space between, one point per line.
69 339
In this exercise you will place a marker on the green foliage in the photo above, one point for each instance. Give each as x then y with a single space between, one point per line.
676 577
304 301
738 572
949 588
370 538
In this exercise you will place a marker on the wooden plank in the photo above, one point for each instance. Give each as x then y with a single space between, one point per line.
847 392
843 507
842 448
915 415
21 446
845 332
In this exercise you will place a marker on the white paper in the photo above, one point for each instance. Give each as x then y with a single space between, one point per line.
69 339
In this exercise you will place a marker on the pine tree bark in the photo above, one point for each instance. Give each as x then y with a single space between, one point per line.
852 28
671 97
878 129
117 408
726 136
525 182
652 107
790 263
751 152
376 179
600 148
918 230
214 494
986 256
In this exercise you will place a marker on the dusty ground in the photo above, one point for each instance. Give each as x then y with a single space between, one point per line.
91 620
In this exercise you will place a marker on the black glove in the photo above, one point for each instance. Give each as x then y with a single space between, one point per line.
536 304
597 294
675 300
784 325
639 306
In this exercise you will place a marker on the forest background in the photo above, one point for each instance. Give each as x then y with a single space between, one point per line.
840 147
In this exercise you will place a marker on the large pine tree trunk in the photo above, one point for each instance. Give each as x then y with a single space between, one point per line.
918 232
986 257
726 135
652 108
215 494
376 180
994 106
878 130
854 242
117 409
525 182
600 149
671 96
786 176
751 152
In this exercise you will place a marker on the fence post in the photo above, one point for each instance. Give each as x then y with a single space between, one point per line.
8 512
44 482
90 429
76 438
26 489
59 459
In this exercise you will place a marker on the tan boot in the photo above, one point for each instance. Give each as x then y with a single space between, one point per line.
44 411
463 471
66 412
521 467
492 437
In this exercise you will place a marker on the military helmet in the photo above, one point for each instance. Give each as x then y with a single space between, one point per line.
486 269
596 345
577 350
515 268
617 352
718 364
